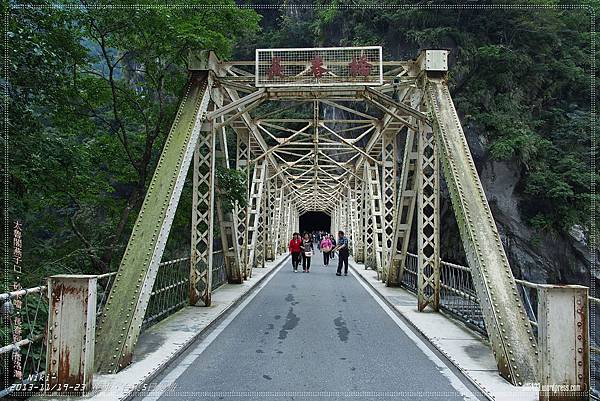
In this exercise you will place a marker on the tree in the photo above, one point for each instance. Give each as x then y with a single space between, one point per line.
93 94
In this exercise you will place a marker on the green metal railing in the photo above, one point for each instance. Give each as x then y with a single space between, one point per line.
459 299
169 294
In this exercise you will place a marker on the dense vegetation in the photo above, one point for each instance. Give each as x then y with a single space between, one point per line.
93 93
520 77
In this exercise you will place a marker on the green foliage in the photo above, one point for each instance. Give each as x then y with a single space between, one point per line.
93 93
521 76
232 185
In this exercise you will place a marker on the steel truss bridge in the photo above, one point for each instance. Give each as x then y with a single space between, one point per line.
335 130
295 165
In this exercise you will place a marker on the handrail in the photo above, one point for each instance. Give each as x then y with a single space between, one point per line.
21 293
171 295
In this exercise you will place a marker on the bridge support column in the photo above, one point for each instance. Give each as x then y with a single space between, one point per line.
503 311
351 216
254 212
278 219
388 193
241 164
428 234
71 333
375 203
334 225
262 232
296 220
285 228
563 342
368 222
358 240
405 202
203 211
227 221
272 210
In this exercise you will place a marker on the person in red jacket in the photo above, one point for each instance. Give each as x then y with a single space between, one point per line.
295 249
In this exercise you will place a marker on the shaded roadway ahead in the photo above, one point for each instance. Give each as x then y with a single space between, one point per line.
310 336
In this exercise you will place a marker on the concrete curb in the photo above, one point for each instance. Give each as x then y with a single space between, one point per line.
159 369
421 334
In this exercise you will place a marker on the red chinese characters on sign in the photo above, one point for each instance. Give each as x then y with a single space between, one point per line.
316 67
360 67
276 70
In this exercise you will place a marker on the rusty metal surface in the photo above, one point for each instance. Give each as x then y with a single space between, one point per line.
564 358
71 333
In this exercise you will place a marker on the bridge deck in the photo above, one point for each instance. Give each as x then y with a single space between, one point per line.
311 336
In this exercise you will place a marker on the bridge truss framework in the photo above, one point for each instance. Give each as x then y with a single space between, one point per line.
320 130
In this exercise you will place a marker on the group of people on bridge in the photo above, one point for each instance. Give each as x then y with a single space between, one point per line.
302 249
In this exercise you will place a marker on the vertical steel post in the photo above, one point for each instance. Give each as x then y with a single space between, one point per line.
278 219
358 234
563 342
374 185
203 211
404 211
71 333
254 215
242 158
285 227
368 222
351 216
388 193
262 232
227 220
271 214
428 275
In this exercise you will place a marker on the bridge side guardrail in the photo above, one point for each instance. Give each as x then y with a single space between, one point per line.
169 294
459 299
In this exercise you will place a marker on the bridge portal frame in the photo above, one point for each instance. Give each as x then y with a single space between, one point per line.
412 98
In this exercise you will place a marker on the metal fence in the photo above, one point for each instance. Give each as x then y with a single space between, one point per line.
30 306
169 294
459 299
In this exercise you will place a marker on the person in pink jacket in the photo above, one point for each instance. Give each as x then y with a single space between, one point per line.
326 246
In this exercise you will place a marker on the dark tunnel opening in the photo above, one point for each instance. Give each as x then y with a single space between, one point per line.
315 221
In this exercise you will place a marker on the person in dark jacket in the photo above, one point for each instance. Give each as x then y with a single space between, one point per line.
344 253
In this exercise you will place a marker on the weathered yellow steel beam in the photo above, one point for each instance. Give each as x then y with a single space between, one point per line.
505 318
123 314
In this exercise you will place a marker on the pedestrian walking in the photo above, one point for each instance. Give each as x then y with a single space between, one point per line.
326 247
295 249
342 247
307 252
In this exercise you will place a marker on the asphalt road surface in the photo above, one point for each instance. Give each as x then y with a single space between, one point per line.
311 336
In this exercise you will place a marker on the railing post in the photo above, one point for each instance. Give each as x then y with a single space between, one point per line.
564 359
71 333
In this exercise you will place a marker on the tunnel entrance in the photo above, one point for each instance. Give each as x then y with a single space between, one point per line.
315 221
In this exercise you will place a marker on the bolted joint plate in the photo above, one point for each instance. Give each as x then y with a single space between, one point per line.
433 60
